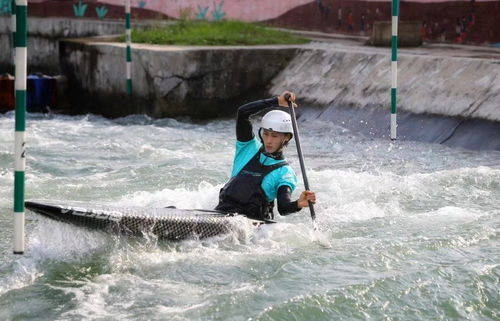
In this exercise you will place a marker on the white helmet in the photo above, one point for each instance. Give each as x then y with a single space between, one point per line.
277 121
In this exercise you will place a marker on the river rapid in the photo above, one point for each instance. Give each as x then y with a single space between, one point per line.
407 231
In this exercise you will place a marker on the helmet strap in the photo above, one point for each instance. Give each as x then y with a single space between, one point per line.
260 136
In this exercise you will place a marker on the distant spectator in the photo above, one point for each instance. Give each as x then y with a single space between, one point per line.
350 21
464 24
442 34
471 19
423 31
458 30
463 33
325 11
362 24
339 18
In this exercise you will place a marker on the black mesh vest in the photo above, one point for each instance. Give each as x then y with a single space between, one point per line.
243 193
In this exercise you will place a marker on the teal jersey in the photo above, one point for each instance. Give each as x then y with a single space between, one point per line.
272 182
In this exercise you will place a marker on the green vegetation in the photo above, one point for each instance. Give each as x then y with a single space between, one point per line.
218 33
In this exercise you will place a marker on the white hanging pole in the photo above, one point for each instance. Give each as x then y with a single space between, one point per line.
20 122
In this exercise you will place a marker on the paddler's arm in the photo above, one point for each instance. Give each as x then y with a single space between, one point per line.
244 131
287 206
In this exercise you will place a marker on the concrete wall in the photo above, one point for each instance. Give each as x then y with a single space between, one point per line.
360 78
409 34
168 81
171 81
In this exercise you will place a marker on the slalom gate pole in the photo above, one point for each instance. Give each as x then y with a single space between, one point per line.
394 67
301 157
20 122
128 36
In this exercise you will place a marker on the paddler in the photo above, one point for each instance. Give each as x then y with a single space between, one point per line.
260 172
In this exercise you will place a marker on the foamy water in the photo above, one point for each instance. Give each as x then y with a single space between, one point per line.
408 231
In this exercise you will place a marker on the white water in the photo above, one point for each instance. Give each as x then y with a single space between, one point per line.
408 231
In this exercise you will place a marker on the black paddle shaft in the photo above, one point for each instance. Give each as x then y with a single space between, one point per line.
299 151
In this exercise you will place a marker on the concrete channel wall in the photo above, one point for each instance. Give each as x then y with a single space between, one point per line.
441 98
360 78
322 75
168 81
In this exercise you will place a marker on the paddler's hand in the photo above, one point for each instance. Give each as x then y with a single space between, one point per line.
282 100
305 197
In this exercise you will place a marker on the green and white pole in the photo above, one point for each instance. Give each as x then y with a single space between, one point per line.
394 67
20 122
128 36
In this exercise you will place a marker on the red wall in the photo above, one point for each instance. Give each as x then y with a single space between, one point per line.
440 18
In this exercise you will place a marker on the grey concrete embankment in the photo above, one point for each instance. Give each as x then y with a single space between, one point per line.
168 81
445 95
359 77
